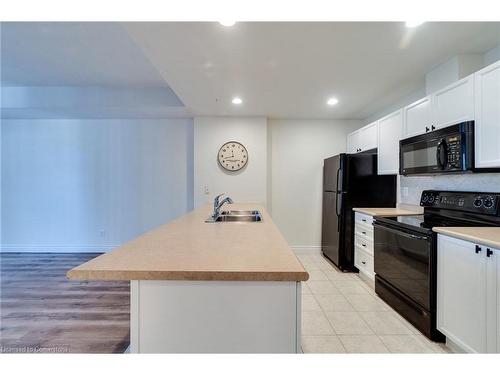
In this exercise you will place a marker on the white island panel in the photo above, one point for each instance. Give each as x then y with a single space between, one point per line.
171 316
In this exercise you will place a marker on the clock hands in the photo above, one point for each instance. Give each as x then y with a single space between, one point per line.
232 156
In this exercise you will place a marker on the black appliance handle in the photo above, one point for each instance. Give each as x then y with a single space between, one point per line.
337 205
337 195
442 154
402 233
337 180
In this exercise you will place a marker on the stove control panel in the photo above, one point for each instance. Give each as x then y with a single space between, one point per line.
481 203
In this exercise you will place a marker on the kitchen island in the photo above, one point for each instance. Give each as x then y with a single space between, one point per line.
196 287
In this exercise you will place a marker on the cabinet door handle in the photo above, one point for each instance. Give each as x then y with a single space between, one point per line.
489 252
478 249
363 220
427 129
363 262
433 127
363 232
364 245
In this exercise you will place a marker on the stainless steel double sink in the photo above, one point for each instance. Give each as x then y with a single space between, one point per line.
237 216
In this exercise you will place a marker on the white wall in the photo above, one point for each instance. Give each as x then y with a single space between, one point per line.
298 148
456 68
492 55
247 185
88 185
402 102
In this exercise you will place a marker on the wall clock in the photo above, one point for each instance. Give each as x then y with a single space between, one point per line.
232 156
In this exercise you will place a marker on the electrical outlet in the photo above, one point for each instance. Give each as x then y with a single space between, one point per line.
205 190
102 233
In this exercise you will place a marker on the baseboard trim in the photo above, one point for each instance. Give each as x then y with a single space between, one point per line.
306 249
56 248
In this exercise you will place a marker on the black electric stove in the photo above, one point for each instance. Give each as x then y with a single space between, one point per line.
405 251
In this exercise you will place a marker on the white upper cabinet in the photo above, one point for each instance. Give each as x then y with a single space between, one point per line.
369 136
487 113
352 142
362 139
390 129
454 103
448 106
418 117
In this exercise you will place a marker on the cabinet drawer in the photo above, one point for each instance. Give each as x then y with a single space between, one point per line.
364 244
363 218
364 232
364 262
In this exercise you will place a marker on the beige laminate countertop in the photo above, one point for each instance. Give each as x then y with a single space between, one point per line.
190 249
385 211
489 236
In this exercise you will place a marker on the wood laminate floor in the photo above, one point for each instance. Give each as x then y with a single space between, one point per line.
42 311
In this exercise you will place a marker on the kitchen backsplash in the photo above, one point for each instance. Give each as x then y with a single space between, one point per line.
487 182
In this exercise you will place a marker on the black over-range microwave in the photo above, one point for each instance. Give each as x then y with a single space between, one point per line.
446 150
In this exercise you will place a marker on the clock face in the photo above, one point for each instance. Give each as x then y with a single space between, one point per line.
232 156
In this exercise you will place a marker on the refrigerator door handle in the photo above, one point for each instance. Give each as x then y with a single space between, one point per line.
337 186
337 209
337 205
337 194
337 182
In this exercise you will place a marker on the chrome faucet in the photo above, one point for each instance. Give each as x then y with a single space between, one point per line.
219 203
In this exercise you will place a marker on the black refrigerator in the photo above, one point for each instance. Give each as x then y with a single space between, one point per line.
350 180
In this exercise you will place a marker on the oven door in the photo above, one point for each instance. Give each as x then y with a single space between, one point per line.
423 156
403 259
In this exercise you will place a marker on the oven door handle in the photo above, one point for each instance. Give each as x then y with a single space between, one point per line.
401 233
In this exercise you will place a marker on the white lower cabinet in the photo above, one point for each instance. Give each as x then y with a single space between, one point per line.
363 245
468 278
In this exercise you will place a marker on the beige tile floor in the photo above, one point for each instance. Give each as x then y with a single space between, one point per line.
342 314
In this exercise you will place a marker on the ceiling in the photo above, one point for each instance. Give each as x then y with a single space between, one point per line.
73 54
288 70
279 69
80 70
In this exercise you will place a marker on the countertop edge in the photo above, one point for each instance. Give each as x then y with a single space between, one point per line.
398 211
185 276
467 237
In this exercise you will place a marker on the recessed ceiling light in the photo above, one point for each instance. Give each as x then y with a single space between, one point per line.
411 24
332 101
236 100
227 23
